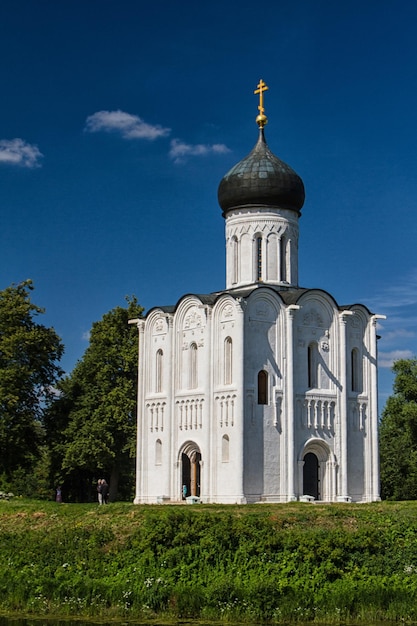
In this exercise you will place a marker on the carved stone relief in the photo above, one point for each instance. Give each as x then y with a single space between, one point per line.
159 326
262 311
193 320
227 313
313 318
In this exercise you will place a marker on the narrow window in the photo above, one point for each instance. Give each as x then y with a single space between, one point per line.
356 371
235 260
158 452
283 259
225 449
158 376
263 387
259 259
313 365
228 361
193 375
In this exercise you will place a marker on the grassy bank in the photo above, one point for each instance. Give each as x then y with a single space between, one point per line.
278 563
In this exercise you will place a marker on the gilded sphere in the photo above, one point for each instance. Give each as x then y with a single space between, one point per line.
261 120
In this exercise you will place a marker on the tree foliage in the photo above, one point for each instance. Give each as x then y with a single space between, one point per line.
398 435
92 426
29 356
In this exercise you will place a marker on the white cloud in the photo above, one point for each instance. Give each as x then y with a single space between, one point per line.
398 301
180 150
397 295
397 334
129 126
386 359
18 152
133 127
86 336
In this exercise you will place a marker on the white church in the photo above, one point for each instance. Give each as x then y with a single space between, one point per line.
265 391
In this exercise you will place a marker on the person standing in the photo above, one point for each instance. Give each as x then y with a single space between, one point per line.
104 491
99 491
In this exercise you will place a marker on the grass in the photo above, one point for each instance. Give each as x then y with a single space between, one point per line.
300 562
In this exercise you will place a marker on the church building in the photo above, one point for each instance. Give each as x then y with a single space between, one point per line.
265 391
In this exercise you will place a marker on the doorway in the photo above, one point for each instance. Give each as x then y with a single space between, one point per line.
191 471
186 476
311 479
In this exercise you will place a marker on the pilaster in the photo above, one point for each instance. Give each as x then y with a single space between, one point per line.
290 441
373 426
343 433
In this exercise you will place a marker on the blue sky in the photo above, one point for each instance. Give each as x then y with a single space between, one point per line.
120 117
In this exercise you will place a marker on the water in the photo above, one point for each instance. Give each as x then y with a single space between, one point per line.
42 621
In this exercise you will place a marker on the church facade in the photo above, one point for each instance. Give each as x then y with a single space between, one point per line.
265 391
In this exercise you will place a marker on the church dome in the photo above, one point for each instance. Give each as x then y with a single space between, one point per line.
261 179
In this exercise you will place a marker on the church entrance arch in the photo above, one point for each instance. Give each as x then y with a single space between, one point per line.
190 461
317 476
311 479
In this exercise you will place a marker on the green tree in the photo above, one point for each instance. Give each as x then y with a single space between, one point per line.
92 426
29 355
398 435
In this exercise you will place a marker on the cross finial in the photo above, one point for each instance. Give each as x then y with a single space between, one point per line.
261 120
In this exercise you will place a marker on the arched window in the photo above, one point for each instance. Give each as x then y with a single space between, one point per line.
258 262
313 365
283 259
158 452
356 371
262 387
228 361
158 373
225 449
193 373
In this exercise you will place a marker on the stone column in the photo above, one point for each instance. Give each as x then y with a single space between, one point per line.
193 472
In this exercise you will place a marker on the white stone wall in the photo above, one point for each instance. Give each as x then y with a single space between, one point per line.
251 451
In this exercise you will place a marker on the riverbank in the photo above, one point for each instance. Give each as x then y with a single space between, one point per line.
277 563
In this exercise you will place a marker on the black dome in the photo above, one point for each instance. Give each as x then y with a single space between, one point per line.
261 179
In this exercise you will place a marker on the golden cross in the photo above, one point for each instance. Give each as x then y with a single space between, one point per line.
261 88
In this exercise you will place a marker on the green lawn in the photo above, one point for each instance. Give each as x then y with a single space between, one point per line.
276 563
